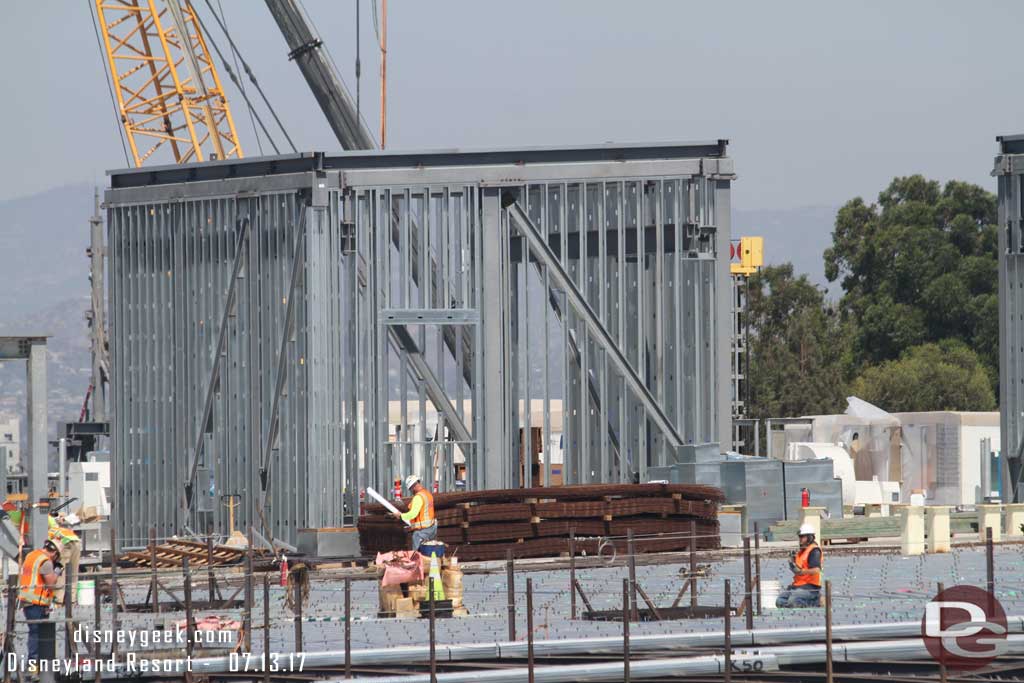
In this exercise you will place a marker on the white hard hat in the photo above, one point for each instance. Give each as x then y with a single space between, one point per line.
410 480
806 530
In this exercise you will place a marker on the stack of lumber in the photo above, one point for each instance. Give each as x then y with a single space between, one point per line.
536 522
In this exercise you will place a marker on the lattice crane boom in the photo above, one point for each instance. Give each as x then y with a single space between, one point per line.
168 93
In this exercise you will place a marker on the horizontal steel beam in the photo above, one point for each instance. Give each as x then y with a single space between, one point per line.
318 161
19 348
503 176
186 189
429 316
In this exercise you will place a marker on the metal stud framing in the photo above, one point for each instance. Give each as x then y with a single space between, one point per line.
445 304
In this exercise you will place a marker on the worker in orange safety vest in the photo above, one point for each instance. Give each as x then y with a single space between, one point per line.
805 591
38 575
420 516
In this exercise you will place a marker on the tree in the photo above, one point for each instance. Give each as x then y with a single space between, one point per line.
798 347
934 376
918 267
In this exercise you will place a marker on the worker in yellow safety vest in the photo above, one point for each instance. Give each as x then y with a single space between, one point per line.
38 575
805 591
420 516
70 548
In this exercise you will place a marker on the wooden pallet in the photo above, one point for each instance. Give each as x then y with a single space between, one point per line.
172 554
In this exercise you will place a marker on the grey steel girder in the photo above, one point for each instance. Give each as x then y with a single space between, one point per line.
1009 173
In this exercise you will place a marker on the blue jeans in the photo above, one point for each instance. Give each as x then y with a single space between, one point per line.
799 596
35 630
420 536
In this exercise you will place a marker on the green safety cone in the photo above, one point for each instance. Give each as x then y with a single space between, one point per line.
434 579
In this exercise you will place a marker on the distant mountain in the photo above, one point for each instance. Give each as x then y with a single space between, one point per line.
798 236
43 239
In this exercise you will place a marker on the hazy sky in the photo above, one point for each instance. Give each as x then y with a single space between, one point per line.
821 101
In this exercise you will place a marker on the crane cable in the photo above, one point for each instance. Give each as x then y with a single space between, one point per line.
252 77
237 80
110 80
241 86
344 84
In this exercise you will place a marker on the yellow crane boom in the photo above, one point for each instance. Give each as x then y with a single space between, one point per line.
169 97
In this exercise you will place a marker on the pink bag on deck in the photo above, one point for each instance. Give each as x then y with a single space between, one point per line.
400 566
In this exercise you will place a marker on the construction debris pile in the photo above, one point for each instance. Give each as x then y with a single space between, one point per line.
405 588
535 522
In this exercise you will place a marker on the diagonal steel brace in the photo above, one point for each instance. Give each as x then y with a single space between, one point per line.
218 354
542 252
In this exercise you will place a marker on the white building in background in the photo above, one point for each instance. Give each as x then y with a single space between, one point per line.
951 458
10 444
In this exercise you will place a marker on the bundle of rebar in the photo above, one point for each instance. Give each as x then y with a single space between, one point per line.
536 522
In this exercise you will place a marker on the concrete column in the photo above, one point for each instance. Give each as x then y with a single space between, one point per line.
990 516
1014 519
36 463
812 516
912 530
937 528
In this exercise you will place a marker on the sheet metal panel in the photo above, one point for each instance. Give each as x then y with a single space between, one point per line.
758 484
817 477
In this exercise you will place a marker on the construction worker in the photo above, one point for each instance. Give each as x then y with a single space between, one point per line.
805 591
70 547
39 574
421 512
16 516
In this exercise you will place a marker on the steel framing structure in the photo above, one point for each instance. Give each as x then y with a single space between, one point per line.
283 327
1009 172
32 349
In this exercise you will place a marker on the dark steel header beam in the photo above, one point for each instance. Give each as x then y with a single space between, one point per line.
319 161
